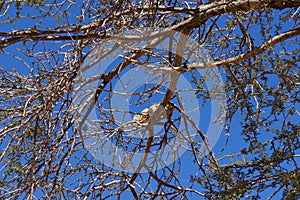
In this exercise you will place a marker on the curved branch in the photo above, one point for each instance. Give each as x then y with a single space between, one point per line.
255 52
259 50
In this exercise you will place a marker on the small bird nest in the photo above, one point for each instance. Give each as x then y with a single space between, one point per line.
154 113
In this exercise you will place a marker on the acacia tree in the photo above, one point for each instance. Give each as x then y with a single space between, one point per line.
46 48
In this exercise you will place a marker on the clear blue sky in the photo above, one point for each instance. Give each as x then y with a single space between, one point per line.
235 139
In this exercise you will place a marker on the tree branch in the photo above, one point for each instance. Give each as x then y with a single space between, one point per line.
255 52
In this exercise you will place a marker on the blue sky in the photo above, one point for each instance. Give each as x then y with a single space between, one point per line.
235 141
